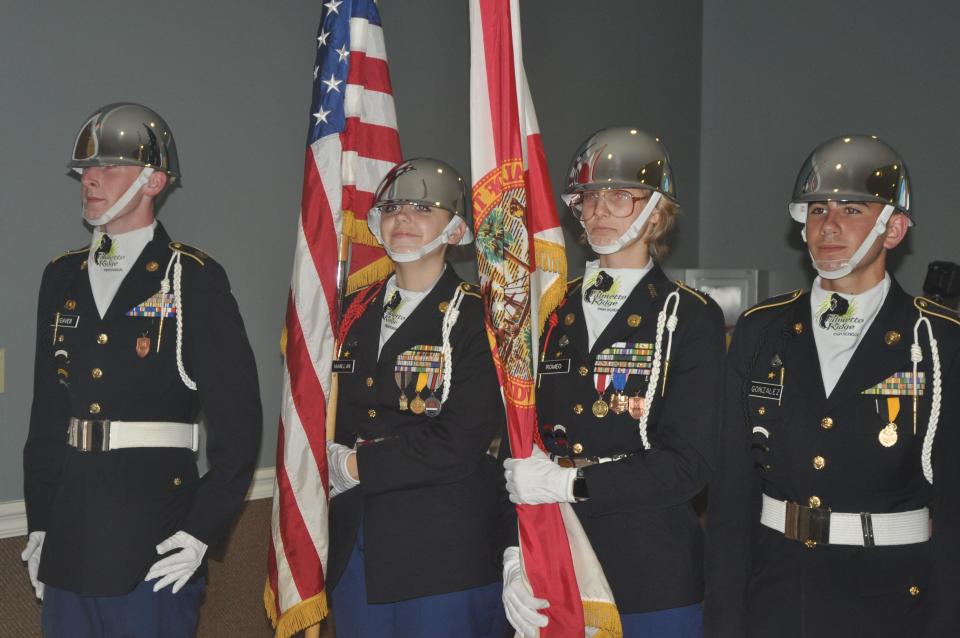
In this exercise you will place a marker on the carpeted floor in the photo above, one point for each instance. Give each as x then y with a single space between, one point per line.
232 606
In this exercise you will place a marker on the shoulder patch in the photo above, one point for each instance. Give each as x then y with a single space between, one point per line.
696 293
774 302
197 254
75 251
470 289
930 307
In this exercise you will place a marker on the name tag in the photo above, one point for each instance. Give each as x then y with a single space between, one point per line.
66 321
771 391
343 366
555 366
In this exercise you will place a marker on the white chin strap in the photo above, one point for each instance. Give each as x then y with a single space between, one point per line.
373 222
121 203
631 233
847 266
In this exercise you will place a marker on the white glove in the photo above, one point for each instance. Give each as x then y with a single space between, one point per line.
536 480
340 479
518 601
179 567
31 554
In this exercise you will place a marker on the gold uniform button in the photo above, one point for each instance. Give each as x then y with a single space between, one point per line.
178 481
569 319
177 244
819 462
809 543
102 338
577 448
583 370
814 502
891 337
771 375
152 266
798 328
633 321
761 410
83 265
371 413
369 382
443 306
922 303
578 408
826 423
914 590
70 304
94 408
60 338
96 373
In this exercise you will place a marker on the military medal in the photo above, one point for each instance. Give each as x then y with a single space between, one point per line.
402 379
888 435
417 405
600 407
619 402
635 406
432 405
143 345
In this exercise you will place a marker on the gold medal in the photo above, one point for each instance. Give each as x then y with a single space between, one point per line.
404 403
619 403
143 346
635 407
417 406
888 435
600 408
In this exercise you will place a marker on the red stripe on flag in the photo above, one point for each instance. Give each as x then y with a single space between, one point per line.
541 207
298 547
371 140
317 221
501 85
372 73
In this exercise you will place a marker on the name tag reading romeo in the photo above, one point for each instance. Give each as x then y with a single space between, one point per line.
771 391
555 366
342 366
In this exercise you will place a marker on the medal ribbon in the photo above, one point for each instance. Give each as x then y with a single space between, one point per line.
620 379
421 381
893 408
602 380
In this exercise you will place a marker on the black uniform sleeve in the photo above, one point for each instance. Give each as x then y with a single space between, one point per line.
221 362
683 444
943 618
733 501
445 448
44 451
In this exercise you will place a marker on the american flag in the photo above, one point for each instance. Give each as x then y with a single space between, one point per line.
352 142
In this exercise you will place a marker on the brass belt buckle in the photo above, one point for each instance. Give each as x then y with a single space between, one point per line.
807 525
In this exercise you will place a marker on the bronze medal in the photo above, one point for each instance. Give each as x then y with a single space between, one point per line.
600 408
432 406
143 346
404 403
417 406
635 407
619 403
888 435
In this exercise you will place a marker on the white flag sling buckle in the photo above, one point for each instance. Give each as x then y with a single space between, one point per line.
103 435
863 529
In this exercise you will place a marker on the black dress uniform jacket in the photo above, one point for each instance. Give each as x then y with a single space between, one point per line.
762 584
639 518
430 498
105 512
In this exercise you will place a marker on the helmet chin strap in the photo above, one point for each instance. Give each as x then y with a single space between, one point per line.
878 230
631 233
373 222
121 203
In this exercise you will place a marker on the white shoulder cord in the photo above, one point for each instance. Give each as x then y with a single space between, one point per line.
671 325
916 356
178 304
449 319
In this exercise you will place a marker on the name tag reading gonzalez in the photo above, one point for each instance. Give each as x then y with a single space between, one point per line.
770 391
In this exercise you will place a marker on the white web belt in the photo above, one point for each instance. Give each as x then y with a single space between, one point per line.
102 435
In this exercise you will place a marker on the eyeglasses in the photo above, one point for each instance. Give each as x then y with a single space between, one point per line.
619 203
391 210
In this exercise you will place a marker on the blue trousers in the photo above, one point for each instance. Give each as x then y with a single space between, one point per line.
139 614
681 622
473 613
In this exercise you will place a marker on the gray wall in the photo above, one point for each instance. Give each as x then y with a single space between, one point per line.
779 78
233 80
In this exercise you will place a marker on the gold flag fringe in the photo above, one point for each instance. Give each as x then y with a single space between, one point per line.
550 257
604 617
283 342
369 274
357 229
304 614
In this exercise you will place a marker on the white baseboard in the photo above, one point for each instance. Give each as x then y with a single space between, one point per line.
13 515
